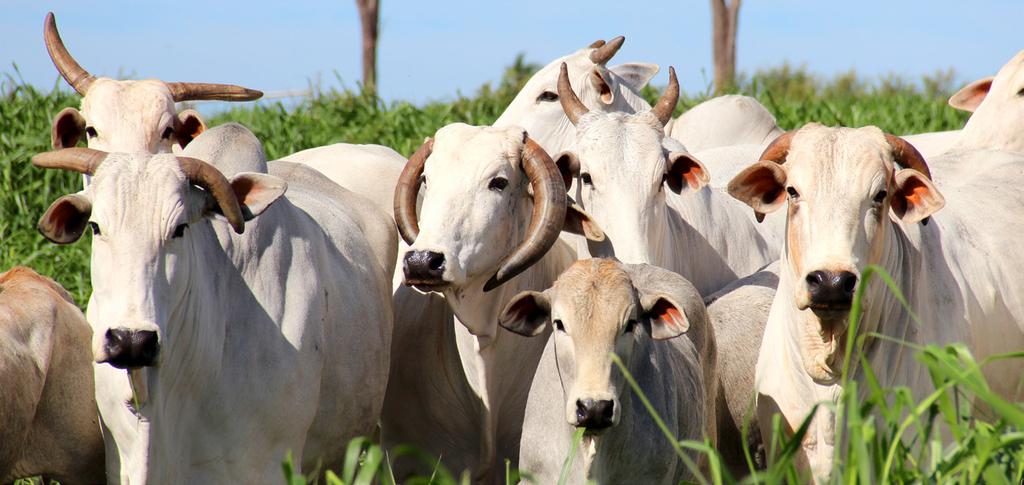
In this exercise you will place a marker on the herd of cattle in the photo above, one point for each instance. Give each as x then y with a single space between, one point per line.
244 308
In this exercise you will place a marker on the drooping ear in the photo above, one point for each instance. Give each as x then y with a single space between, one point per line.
970 96
187 126
526 314
68 129
762 186
636 75
65 219
568 165
685 171
255 193
603 84
578 222
663 316
915 198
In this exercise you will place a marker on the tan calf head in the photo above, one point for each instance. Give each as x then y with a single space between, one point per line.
841 185
595 310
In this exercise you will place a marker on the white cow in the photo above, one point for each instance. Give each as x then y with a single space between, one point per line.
654 320
493 206
850 205
241 347
624 165
129 116
48 425
724 121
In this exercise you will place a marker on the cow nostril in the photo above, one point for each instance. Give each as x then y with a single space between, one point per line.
581 411
848 281
815 278
607 409
436 262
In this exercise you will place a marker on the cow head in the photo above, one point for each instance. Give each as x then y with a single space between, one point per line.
596 310
149 215
604 89
493 204
997 104
128 116
623 169
840 185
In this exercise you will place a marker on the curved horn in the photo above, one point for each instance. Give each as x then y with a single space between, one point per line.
549 205
211 91
778 150
667 104
904 154
597 43
571 104
406 191
208 177
78 159
73 73
604 53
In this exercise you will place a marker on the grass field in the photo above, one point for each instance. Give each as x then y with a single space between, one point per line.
892 437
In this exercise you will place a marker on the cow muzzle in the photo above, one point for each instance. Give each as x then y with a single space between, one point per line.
126 348
830 292
595 415
425 270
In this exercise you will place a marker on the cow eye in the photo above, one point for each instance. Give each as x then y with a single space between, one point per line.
585 177
547 96
167 133
880 197
559 326
95 228
792 192
630 325
90 132
498 184
179 231
1021 92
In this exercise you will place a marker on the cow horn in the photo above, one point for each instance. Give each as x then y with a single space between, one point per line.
73 73
211 91
213 181
906 155
667 104
78 159
571 104
407 190
597 43
549 206
604 53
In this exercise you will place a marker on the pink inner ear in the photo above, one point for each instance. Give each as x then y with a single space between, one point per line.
521 309
669 315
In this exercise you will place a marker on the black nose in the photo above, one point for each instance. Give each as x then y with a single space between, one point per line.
593 414
831 290
423 267
131 349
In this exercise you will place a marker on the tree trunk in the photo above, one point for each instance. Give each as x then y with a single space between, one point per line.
370 19
724 21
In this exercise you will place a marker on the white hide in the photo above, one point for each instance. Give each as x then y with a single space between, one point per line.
724 121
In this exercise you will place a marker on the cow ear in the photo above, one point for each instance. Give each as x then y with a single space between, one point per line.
602 83
915 198
762 186
663 316
68 129
187 126
970 96
256 192
568 165
526 314
65 219
685 171
578 222
636 75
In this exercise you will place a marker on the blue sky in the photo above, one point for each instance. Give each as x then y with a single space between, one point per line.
433 49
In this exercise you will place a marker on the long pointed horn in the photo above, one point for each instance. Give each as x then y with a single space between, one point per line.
907 156
213 181
667 104
408 189
211 91
549 205
604 53
597 43
79 159
73 73
571 104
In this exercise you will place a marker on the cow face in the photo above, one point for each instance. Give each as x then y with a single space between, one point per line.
595 311
998 107
536 108
624 172
840 186
150 222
